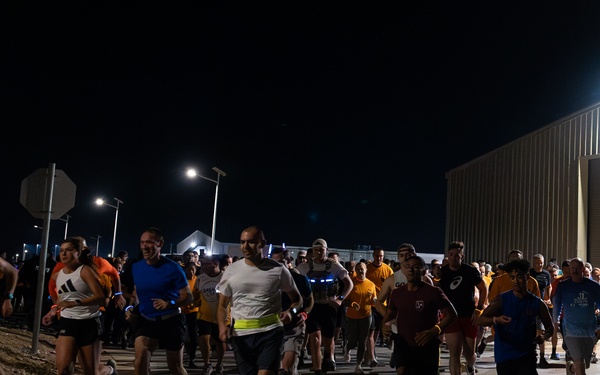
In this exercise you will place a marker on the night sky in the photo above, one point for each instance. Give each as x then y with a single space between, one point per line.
329 122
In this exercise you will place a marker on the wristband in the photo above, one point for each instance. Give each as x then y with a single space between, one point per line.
129 307
53 306
118 293
479 310
439 329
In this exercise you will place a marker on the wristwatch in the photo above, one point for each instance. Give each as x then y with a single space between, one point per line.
9 296
172 303
341 298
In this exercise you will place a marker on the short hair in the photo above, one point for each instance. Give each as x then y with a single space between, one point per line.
456 245
514 251
538 256
517 265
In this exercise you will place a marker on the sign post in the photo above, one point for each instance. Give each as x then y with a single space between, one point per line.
37 196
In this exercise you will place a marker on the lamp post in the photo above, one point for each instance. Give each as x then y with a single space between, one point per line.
101 202
192 173
66 223
24 251
97 238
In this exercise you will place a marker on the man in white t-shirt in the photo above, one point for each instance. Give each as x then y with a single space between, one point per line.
253 286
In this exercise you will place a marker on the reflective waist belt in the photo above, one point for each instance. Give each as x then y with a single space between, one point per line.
256 323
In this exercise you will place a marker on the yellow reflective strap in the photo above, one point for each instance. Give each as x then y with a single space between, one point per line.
256 323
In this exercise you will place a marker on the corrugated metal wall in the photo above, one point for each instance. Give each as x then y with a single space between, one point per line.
526 194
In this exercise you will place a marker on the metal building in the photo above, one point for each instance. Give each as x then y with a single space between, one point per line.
539 194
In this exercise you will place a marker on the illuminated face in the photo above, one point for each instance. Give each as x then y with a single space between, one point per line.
251 243
361 271
413 270
519 281
576 269
191 256
68 253
319 252
596 275
538 264
377 257
455 257
150 246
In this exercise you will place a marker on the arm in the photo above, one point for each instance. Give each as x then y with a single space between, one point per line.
222 312
111 271
483 292
185 298
491 312
10 279
384 295
90 277
544 315
348 285
450 317
296 302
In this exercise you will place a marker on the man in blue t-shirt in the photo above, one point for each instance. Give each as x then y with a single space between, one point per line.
160 289
578 298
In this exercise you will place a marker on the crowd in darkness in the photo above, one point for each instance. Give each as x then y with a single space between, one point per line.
277 313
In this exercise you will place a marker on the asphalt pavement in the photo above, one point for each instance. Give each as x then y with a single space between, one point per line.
485 365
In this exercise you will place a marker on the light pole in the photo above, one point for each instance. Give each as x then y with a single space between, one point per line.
101 202
97 238
24 251
192 173
66 223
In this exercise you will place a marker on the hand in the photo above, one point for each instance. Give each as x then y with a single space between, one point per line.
424 337
160 304
475 316
502 319
7 308
120 301
285 317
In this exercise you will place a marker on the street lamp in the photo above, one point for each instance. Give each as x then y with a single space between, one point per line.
67 223
97 238
191 173
101 202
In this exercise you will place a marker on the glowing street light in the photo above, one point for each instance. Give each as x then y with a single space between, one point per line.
101 202
191 173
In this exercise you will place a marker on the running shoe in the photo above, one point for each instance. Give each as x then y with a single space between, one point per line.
112 364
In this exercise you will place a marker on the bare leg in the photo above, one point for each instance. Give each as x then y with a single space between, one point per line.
455 347
175 362
144 347
314 342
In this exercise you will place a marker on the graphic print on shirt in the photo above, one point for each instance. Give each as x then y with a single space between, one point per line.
419 305
67 287
456 282
581 301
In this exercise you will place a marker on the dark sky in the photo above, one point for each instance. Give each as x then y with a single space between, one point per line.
334 123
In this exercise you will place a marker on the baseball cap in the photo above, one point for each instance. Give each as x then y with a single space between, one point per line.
302 253
407 246
319 242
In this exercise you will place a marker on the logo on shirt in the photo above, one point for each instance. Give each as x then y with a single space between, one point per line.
399 284
581 300
456 282
419 305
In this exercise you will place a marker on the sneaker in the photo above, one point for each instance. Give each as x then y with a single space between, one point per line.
471 370
555 356
543 363
328 365
594 358
359 370
347 357
207 370
219 370
481 348
374 363
112 364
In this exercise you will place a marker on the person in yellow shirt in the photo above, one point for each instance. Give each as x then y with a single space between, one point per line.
190 312
359 314
377 272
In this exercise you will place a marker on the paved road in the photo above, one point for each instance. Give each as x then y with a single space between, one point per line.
485 365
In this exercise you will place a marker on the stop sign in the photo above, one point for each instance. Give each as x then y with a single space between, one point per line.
34 194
